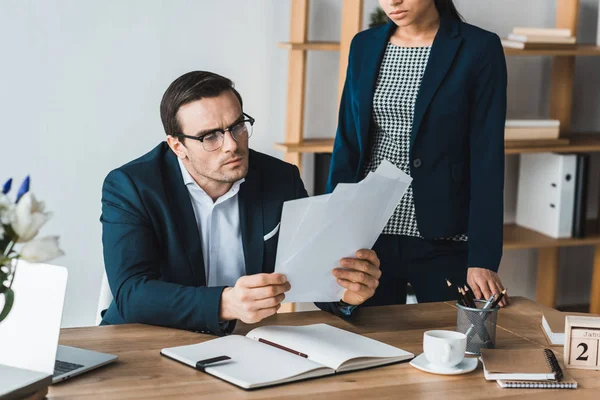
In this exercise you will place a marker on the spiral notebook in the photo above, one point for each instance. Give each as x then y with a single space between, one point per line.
565 383
521 365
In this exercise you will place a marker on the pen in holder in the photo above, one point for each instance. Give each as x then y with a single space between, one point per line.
479 324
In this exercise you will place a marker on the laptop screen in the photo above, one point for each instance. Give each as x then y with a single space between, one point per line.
29 335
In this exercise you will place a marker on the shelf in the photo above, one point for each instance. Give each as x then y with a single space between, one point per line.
518 237
578 50
325 46
578 143
323 145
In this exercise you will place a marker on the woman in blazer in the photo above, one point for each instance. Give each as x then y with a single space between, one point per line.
427 92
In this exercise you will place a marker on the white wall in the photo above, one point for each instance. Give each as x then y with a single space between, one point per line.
81 82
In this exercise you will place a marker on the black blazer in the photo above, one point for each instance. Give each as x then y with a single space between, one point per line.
457 140
152 249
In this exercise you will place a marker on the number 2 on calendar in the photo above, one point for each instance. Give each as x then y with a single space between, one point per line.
584 347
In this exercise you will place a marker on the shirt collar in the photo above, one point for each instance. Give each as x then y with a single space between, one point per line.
189 181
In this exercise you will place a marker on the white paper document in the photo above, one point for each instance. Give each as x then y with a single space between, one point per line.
317 232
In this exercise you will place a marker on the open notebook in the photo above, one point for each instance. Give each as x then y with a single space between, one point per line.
272 355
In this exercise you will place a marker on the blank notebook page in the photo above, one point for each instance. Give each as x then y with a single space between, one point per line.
326 344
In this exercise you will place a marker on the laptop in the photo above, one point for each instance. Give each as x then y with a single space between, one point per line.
33 326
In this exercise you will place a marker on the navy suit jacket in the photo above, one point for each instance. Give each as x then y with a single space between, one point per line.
152 248
457 140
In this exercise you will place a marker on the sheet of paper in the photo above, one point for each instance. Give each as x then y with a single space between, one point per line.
353 222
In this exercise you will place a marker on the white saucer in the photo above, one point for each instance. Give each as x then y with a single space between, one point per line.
465 366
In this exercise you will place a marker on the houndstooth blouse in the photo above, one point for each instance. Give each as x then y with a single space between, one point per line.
394 100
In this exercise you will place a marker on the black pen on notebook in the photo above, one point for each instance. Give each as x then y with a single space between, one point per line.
265 341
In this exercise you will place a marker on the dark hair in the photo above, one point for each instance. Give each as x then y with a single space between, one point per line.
447 8
187 88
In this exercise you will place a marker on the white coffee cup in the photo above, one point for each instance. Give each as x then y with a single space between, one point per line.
444 348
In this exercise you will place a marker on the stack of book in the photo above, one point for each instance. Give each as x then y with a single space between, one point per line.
540 39
525 369
532 129
553 325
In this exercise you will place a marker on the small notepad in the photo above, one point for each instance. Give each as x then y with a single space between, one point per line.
520 365
565 383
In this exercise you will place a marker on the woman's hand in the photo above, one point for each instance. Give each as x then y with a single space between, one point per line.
485 283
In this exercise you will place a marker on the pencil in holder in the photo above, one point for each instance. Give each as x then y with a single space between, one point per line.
479 324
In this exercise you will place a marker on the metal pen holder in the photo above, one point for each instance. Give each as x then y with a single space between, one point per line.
479 325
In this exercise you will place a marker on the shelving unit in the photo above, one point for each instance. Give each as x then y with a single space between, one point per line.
563 71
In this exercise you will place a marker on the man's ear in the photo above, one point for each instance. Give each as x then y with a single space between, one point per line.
177 147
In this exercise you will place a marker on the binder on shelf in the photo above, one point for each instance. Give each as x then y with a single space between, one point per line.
546 193
580 206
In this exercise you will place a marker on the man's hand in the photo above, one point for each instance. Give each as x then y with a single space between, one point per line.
253 298
485 283
360 276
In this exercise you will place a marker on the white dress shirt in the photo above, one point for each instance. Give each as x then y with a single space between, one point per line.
219 228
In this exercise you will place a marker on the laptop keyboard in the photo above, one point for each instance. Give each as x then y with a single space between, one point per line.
62 367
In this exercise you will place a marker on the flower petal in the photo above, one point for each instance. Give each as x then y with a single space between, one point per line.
41 250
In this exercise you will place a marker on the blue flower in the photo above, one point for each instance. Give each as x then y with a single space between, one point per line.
23 189
6 187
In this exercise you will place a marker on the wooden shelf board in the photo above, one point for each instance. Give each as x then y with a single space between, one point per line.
578 50
314 45
322 145
518 237
578 143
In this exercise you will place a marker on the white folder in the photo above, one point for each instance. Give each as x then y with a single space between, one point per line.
546 193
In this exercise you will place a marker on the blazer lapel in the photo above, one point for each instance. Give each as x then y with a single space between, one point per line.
251 220
183 216
443 51
369 72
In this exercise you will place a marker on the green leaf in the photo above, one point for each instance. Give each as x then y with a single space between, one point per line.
9 299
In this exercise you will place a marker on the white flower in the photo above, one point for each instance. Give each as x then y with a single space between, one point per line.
1 232
28 217
6 207
41 250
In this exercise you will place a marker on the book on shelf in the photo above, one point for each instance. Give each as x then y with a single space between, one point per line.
542 39
272 355
532 123
515 44
556 32
531 129
553 325
538 143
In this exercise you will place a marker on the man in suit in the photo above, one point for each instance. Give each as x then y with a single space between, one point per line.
190 229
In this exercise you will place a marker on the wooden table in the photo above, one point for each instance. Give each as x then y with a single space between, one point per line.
142 372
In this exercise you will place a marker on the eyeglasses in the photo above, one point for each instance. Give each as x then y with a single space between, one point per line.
213 140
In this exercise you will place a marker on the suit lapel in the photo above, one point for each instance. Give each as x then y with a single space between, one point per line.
443 51
369 72
183 216
251 219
